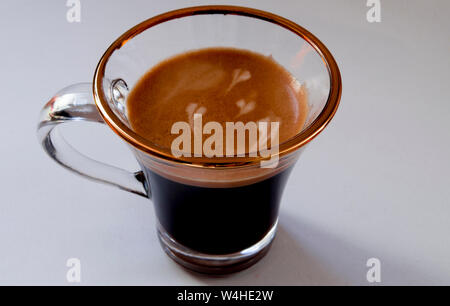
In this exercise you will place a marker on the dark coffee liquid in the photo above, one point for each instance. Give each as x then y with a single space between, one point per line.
217 220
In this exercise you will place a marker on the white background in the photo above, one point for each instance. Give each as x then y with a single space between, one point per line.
375 183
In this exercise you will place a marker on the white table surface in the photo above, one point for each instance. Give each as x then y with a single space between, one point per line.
375 183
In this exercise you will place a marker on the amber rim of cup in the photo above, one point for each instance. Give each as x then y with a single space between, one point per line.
285 148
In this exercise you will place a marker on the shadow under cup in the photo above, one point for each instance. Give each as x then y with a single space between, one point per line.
214 216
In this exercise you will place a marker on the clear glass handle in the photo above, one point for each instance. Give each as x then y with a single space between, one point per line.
75 103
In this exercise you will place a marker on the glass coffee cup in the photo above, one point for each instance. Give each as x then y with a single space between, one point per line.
213 217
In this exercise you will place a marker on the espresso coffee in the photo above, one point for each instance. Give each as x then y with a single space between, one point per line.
209 214
221 84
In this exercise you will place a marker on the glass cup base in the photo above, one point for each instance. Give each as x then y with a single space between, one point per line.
215 264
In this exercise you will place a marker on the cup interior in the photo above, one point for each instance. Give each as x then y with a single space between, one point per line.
161 37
